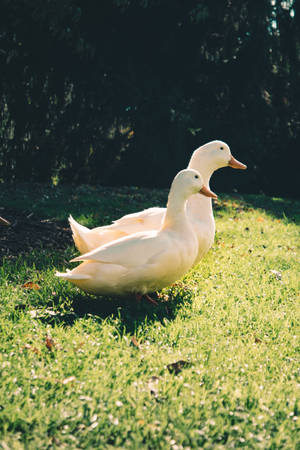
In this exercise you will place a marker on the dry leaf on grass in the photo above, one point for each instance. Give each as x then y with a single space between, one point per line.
49 343
134 342
177 367
260 219
31 285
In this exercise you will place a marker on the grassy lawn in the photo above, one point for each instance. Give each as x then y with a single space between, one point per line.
82 372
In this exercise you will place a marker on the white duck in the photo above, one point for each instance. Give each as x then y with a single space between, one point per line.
206 159
149 260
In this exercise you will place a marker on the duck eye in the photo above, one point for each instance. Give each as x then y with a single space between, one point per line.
196 176
221 148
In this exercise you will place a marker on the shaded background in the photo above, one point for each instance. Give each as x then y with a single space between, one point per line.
120 92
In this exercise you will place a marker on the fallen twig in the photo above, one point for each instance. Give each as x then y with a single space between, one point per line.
4 222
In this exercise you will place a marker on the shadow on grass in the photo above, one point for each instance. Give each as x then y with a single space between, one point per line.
130 313
66 306
279 208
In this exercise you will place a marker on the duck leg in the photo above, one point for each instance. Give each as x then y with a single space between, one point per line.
151 300
139 297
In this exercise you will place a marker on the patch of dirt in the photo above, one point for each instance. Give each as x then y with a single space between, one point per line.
27 232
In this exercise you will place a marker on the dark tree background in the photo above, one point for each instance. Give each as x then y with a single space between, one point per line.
122 91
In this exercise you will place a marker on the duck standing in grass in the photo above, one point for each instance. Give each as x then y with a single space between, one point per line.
206 159
149 260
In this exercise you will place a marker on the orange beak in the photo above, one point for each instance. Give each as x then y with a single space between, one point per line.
235 164
207 192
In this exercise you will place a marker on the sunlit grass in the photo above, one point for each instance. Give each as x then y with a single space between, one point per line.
234 318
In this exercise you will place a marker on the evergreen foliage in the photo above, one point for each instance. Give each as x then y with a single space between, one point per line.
121 91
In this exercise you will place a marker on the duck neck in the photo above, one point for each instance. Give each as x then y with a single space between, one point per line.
198 205
175 216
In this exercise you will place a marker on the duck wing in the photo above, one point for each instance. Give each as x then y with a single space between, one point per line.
130 251
150 214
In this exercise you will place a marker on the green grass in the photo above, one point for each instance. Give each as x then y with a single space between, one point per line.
234 320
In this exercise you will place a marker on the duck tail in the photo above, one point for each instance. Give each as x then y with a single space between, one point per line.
72 276
76 227
79 232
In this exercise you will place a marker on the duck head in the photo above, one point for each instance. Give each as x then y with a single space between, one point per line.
189 182
212 156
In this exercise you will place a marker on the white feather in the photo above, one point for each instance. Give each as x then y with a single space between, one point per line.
206 160
146 261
